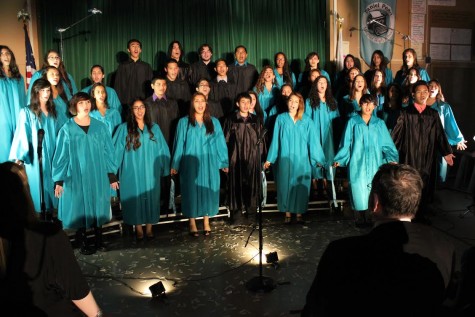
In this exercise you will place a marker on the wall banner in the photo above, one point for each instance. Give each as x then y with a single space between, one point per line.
377 27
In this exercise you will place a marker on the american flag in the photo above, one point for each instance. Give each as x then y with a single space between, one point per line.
30 59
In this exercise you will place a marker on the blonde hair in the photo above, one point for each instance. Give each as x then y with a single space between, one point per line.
301 109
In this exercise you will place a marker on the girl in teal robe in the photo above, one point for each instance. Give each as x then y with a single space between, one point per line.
101 109
97 76
40 114
61 96
83 168
455 137
266 89
365 146
143 157
293 152
322 108
52 58
199 152
12 99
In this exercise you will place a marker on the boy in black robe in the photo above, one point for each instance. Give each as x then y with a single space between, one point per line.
132 77
241 131
419 137
178 88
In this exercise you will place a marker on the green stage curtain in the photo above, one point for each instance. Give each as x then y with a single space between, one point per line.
263 26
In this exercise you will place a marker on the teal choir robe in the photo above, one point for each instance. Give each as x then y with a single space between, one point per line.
198 157
112 98
452 131
67 91
25 148
111 119
140 171
279 79
293 152
364 148
12 99
323 118
83 161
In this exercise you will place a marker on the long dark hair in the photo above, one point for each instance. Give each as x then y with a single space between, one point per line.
307 60
387 99
383 64
404 67
257 107
133 134
35 105
59 86
208 122
13 65
286 74
260 85
62 70
93 99
315 98
170 48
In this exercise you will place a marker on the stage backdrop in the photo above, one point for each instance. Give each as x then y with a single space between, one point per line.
378 19
263 26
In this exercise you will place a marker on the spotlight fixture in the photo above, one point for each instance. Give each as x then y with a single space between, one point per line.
158 290
272 257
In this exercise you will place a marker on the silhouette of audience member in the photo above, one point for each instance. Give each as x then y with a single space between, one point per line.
39 274
398 269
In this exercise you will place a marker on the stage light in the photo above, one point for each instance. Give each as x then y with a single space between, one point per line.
272 257
158 290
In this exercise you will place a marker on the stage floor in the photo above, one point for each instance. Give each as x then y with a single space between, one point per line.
207 276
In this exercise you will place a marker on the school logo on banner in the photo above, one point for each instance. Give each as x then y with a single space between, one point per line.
377 25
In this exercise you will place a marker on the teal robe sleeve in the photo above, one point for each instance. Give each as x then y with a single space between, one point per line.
222 149
73 84
273 152
61 157
342 157
317 157
454 135
179 143
22 145
113 99
12 99
390 153
119 141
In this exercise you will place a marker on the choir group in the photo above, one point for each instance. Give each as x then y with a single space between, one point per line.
196 129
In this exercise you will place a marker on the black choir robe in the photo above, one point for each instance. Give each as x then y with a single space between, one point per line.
180 91
243 177
244 76
165 113
133 80
225 93
200 70
419 139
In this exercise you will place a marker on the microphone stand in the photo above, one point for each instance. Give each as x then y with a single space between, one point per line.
42 196
405 37
62 30
260 283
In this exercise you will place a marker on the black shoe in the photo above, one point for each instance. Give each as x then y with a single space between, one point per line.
422 219
87 250
98 243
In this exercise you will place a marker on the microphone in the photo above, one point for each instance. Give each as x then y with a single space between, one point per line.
95 11
41 135
261 136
